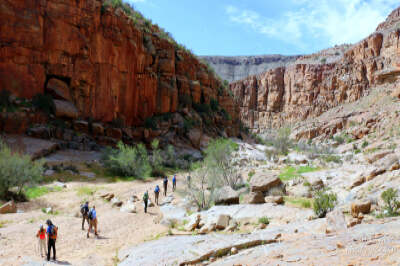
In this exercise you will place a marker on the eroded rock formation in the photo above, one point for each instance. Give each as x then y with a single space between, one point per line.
294 93
98 60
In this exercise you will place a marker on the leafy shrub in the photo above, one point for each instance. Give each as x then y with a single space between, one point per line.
5 103
185 100
389 196
129 161
339 139
202 108
44 102
226 83
280 141
150 122
156 159
263 220
188 124
225 114
364 144
332 158
214 104
17 171
323 203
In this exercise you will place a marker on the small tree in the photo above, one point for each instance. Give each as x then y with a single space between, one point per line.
324 203
202 188
392 204
17 171
129 161
156 158
219 160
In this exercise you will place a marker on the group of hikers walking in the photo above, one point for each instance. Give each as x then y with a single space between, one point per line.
157 191
49 236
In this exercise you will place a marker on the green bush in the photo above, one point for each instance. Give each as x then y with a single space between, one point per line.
389 196
128 161
263 220
332 158
214 104
17 171
188 124
150 122
225 114
44 102
280 141
5 102
202 108
339 139
323 203
156 159
364 144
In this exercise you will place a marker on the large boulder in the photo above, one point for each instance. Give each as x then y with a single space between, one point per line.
390 162
315 182
58 89
65 109
299 191
371 158
255 198
8 207
195 136
193 222
226 196
223 221
128 207
264 182
360 207
274 199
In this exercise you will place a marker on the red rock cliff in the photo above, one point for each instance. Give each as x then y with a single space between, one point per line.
96 59
301 90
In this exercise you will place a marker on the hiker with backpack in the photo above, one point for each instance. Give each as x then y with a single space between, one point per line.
92 221
174 183
188 181
145 200
156 193
165 182
85 213
41 235
51 239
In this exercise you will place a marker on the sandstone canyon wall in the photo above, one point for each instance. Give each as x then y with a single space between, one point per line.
97 60
234 68
299 91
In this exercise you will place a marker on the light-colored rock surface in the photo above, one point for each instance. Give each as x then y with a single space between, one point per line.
254 198
360 207
9 207
226 196
264 181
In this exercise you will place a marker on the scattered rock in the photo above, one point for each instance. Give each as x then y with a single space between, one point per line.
109 196
48 210
88 174
167 200
60 184
358 181
261 226
234 251
360 207
223 221
264 182
315 182
49 172
65 109
274 199
207 228
232 226
339 245
255 198
297 158
299 191
371 158
58 89
226 196
9 207
116 202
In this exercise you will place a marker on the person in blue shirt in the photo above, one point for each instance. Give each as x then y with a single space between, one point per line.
92 221
165 182
51 239
174 183
156 193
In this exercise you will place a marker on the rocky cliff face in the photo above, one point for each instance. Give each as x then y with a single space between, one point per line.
296 92
233 68
98 64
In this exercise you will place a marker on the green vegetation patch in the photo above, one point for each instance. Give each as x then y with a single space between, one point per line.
37 192
299 202
86 191
291 172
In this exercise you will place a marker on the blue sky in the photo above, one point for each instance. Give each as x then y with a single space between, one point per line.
253 27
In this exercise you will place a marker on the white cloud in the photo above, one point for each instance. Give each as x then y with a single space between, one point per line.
331 21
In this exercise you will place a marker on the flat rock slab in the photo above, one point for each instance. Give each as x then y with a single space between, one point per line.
181 250
255 211
36 148
74 156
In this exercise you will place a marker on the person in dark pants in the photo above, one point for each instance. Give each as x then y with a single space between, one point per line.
174 183
188 181
51 239
85 214
156 193
165 182
145 200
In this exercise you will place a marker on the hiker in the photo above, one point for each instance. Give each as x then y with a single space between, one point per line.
85 212
156 193
188 181
51 239
165 182
41 235
92 221
145 200
174 183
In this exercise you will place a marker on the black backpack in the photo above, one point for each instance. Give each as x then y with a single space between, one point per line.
90 216
84 210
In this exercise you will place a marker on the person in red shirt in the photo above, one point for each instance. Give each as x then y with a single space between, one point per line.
41 235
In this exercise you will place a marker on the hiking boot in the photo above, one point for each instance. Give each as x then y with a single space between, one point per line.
87 235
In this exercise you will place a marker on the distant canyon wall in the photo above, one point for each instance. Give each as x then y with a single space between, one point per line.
299 91
234 68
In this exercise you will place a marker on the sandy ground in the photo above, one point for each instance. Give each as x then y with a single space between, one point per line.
117 230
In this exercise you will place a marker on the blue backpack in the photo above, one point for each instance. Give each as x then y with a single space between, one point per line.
157 189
